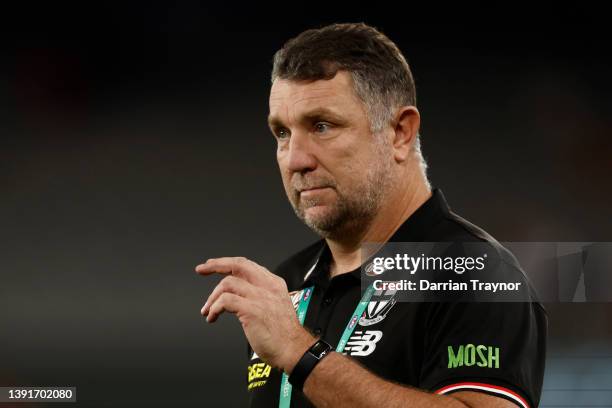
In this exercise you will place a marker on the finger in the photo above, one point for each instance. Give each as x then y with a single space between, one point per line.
230 284
236 266
227 302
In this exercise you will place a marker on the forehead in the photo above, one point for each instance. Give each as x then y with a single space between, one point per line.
289 97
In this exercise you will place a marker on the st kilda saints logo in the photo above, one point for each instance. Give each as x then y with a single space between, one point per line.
380 304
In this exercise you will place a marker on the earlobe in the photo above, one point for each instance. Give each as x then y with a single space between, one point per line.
406 129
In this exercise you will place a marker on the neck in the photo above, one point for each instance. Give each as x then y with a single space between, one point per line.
397 207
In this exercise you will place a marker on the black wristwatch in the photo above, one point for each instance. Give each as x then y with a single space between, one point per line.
307 363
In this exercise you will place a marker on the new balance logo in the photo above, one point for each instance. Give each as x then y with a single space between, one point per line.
363 343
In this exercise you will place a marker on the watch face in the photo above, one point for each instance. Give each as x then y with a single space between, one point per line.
319 348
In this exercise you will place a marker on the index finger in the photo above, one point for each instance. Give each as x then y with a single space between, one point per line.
236 266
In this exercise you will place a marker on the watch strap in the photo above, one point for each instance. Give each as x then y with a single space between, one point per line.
307 363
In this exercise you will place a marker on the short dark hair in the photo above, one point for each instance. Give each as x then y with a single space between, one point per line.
380 73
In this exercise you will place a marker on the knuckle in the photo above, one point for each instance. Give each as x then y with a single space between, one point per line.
280 282
226 283
221 286
225 299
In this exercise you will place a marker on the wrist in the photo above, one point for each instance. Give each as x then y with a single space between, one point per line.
296 349
308 362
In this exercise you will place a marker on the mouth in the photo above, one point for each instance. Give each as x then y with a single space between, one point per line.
314 196
312 190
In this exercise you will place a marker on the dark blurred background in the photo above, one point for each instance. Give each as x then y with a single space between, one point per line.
134 145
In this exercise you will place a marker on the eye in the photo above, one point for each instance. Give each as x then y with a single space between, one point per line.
321 127
282 133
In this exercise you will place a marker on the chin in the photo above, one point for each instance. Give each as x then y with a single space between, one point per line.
317 214
321 219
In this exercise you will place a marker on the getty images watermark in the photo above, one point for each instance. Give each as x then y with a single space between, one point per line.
489 272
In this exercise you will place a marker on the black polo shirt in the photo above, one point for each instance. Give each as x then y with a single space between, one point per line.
441 347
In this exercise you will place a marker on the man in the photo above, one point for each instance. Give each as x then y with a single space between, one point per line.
343 112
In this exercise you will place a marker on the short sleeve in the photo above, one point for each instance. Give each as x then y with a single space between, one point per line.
495 348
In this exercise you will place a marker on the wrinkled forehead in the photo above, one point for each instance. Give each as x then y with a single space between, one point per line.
290 98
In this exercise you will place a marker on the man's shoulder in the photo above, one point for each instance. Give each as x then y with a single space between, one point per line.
454 228
462 238
295 267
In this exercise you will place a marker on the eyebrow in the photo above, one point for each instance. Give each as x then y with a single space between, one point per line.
314 114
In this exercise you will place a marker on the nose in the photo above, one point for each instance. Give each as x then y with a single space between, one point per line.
300 155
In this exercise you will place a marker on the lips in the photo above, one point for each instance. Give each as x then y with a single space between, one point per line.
303 190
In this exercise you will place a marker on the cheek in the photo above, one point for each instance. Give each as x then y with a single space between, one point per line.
284 172
347 166
355 175
280 160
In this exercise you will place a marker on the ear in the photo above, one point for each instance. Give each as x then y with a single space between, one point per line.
406 127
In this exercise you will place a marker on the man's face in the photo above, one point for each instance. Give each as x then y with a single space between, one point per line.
334 170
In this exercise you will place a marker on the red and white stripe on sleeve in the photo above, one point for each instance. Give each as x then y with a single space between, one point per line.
493 389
